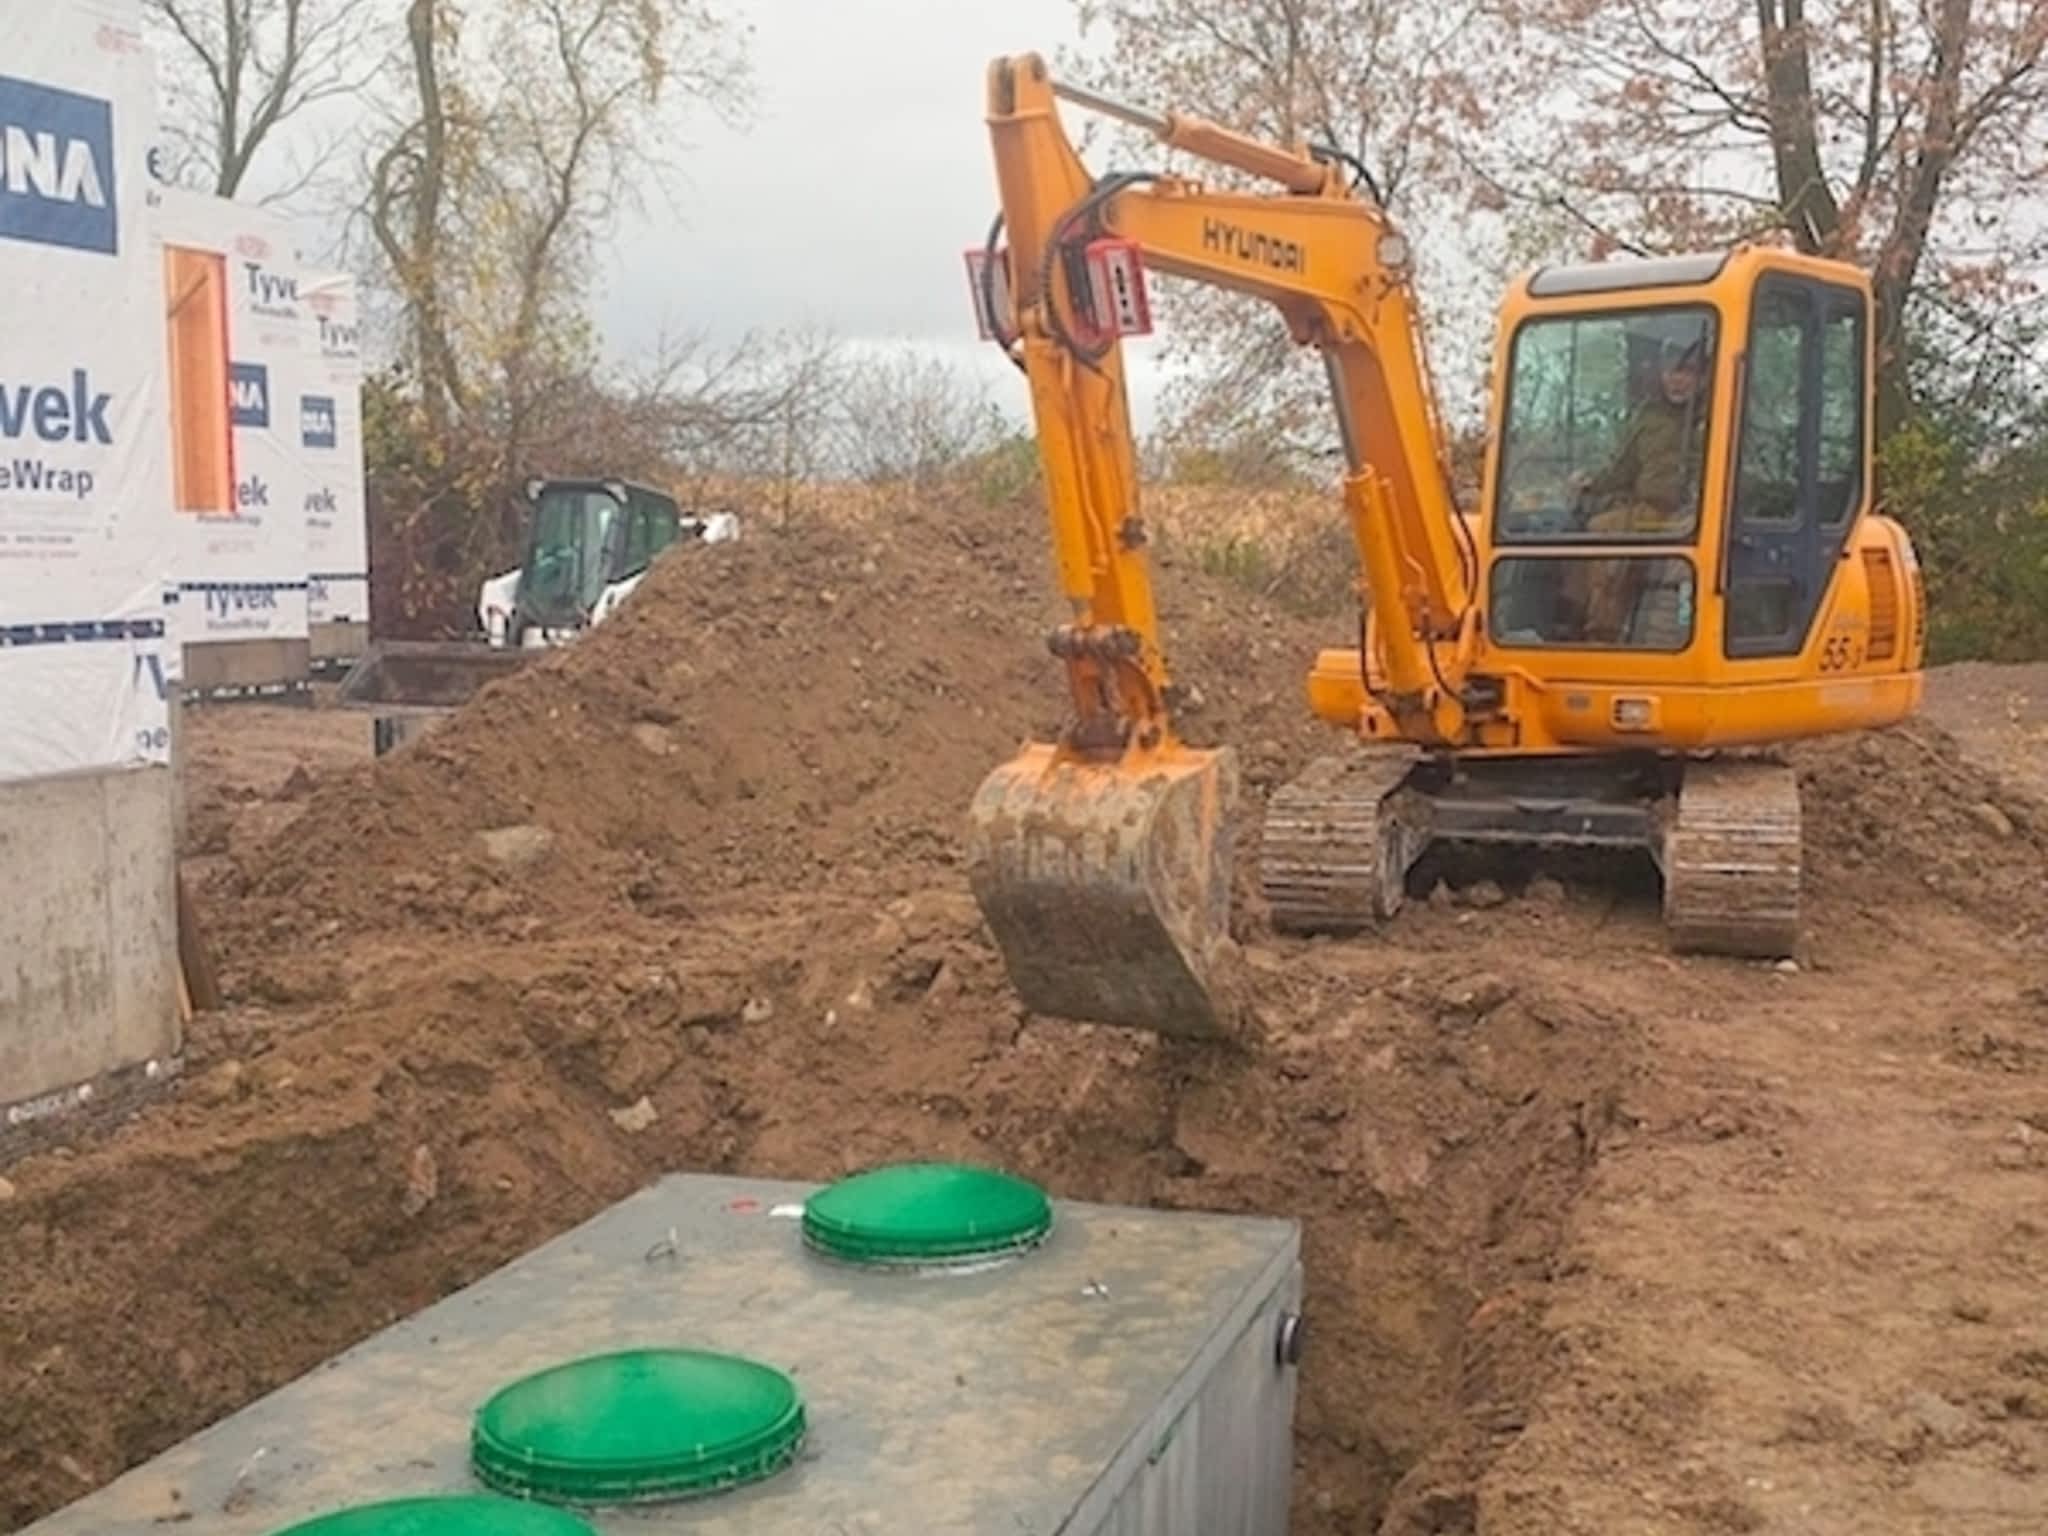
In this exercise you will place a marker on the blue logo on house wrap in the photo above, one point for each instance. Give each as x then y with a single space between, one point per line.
316 421
149 672
44 424
56 167
249 394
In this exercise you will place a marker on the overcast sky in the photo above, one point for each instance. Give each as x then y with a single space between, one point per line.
846 200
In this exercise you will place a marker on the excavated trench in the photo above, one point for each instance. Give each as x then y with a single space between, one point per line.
402 1116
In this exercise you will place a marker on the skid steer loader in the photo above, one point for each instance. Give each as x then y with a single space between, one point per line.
588 545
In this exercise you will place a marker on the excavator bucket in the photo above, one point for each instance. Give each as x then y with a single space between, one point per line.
1108 885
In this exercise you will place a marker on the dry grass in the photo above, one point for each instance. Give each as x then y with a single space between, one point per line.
1289 547
777 503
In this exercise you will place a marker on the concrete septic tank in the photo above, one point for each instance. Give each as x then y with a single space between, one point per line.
1133 1375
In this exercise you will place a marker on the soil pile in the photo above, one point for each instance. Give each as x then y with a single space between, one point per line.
1894 818
2000 713
802 703
819 702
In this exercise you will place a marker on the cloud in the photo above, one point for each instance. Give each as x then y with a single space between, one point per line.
848 200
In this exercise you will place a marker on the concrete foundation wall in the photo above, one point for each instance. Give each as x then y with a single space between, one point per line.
89 929
174 705
246 664
337 641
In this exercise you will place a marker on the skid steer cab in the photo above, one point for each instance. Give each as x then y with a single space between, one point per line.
588 543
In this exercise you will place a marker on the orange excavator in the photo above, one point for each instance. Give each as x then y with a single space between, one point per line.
1676 560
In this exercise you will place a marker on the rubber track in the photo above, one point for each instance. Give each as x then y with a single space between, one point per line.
1732 860
1335 849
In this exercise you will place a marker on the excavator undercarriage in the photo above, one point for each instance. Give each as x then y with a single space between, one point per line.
1341 839
1109 893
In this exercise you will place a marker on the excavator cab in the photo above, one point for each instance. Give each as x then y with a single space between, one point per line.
1677 561
1677 547
1627 392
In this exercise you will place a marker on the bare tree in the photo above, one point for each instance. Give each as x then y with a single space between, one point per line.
409 182
905 415
245 69
512 149
1363 77
760 408
509 145
1367 77
578 128
1906 137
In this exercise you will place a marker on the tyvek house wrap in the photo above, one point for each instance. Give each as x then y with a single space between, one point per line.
331 442
85 549
241 566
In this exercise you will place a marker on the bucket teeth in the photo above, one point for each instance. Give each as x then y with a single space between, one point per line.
1731 858
1337 845
1107 886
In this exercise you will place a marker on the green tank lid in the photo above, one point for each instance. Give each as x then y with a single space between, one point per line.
457 1515
926 1213
637 1426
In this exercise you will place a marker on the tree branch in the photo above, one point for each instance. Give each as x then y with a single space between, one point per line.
1741 113
169 10
2001 91
1874 107
1898 261
259 63
1803 192
227 158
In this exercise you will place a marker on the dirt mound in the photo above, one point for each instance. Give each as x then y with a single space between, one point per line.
810 701
1907 807
819 701
336 1164
2000 714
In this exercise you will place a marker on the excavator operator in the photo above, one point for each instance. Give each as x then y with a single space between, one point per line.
1652 485
1651 489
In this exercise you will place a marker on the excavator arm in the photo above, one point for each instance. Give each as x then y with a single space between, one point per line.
1102 860
1330 262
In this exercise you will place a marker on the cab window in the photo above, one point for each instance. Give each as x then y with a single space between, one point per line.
668 525
1841 416
1604 434
652 529
1600 602
639 547
565 568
